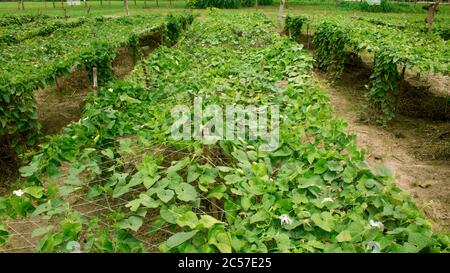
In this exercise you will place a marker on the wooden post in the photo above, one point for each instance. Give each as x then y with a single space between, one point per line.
94 80
307 36
170 2
58 86
23 4
146 81
157 3
281 15
126 8
145 4
431 12
65 14
214 207
401 87
256 5
54 6
89 9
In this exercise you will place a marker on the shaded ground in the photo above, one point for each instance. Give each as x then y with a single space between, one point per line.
62 103
416 150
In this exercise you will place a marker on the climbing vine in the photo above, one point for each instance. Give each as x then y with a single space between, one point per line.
384 90
293 25
331 42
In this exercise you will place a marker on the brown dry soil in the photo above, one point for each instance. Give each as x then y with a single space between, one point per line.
417 151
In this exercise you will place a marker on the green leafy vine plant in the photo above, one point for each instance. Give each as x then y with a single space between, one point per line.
174 26
293 25
15 34
331 43
383 94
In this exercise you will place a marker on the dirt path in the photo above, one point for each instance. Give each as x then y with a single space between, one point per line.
417 151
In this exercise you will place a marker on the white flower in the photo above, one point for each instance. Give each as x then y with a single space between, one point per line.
110 89
374 247
376 224
74 247
19 192
327 199
285 220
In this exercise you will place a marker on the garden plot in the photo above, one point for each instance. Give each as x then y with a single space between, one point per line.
409 67
313 193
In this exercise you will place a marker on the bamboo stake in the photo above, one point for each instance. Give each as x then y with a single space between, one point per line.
401 87
94 79
307 36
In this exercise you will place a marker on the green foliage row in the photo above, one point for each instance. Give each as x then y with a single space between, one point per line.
226 4
314 193
385 6
16 33
440 25
331 43
174 26
9 20
293 25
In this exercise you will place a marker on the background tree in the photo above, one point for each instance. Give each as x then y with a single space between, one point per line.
126 8
281 15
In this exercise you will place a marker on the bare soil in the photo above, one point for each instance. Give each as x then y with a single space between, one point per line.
59 104
416 150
